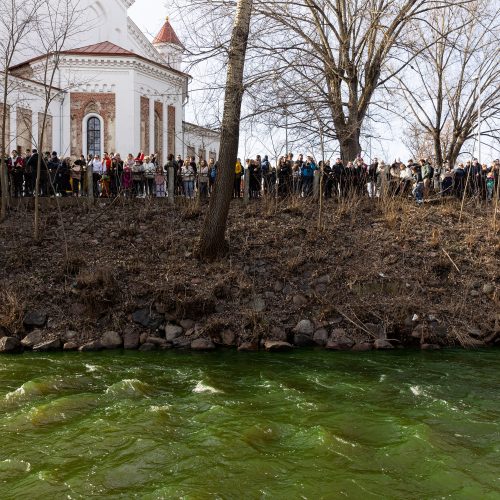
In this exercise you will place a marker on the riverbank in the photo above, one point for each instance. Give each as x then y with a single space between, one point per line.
376 275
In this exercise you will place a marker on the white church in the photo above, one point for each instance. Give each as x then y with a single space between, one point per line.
115 91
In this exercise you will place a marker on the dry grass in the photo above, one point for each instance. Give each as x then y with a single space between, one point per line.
11 312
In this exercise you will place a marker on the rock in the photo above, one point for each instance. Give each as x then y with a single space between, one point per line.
338 333
474 293
147 318
336 321
70 335
382 344
131 340
420 332
430 347
320 337
159 342
172 332
228 337
258 304
48 345
474 332
344 344
277 333
276 345
305 327
202 345
111 340
148 346
299 300
35 319
376 329
488 288
187 324
10 345
181 342
248 347
70 346
95 345
278 286
302 340
362 346
32 339
322 280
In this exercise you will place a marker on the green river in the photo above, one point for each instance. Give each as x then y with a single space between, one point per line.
308 424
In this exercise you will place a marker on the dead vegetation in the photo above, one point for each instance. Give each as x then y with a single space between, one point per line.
372 263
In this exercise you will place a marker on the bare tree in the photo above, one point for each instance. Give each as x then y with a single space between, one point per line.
454 78
212 241
16 18
57 26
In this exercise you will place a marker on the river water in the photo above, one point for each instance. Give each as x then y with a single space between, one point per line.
309 424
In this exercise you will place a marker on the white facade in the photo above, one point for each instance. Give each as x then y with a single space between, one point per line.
200 142
112 73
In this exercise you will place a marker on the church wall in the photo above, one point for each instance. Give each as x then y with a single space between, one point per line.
158 107
24 129
102 104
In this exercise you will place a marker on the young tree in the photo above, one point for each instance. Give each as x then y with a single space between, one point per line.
16 18
58 25
212 242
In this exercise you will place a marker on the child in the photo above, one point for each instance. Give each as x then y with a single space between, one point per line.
160 183
490 185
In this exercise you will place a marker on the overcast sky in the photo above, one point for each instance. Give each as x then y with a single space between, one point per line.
150 15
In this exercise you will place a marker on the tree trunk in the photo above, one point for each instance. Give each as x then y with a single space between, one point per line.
350 147
212 240
4 176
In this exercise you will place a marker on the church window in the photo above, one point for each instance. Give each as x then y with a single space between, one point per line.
94 145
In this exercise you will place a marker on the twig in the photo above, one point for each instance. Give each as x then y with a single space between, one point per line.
451 260
360 326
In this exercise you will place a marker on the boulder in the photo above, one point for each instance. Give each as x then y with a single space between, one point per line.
131 340
70 335
248 347
382 344
320 337
362 346
181 342
430 347
158 342
35 319
276 345
172 332
305 327
111 340
488 288
302 340
147 318
143 337
187 324
10 345
49 345
70 346
340 344
148 346
277 333
228 337
32 339
95 345
202 345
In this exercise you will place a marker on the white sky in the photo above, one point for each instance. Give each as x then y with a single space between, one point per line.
149 15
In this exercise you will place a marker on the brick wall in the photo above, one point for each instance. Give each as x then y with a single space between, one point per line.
171 130
159 130
24 128
102 104
145 125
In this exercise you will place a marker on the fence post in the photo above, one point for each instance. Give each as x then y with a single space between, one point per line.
246 186
90 184
171 185
316 179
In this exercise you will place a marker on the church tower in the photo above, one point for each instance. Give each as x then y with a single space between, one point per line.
169 46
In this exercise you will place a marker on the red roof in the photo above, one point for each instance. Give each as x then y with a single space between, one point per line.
167 35
104 48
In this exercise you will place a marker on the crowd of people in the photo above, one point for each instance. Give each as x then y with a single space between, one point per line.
143 176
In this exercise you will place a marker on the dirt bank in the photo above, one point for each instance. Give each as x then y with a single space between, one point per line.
376 275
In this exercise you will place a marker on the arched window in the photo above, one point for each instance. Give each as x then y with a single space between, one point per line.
94 146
